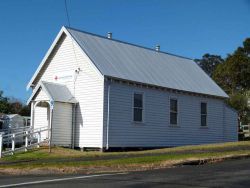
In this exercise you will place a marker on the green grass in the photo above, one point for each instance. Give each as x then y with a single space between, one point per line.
41 158
59 152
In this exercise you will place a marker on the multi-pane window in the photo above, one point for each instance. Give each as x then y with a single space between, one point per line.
138 107
203 114
173 111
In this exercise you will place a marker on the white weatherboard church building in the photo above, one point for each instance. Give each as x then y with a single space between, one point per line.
97 92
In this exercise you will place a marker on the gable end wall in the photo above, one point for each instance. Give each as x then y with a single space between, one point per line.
87 89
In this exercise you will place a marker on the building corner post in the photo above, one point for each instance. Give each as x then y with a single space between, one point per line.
107 136
32 114
50 124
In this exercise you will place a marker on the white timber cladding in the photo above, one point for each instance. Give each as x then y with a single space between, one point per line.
87 87
156 130
62 124
41 95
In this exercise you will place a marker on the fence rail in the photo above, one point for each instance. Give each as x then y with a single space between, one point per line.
22 141
17 129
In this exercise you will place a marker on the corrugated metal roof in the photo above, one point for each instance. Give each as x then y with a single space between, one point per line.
126 61
11 115
56 92
59 92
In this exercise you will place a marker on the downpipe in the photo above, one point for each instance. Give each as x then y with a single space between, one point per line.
107 136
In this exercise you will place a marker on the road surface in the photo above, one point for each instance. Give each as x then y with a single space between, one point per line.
233 173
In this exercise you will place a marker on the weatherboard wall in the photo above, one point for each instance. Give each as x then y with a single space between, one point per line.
87 87
156 130
62 124
41 95
230 122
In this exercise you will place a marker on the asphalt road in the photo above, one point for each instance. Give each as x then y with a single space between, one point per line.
233 173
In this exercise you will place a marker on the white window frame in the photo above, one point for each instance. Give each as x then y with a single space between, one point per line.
178 109
205 102
143 106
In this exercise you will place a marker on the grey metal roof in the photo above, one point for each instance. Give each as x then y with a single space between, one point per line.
126 61
9 116
56 92
59 92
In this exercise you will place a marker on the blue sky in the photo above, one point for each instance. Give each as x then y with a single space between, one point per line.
189 28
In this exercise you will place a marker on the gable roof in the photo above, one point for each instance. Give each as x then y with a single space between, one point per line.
117 59
56 92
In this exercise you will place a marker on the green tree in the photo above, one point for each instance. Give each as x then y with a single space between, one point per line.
209 63
13 106
25 111
4 105
239 101
233 76
222 78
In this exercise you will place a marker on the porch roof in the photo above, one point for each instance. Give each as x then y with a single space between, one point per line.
56 92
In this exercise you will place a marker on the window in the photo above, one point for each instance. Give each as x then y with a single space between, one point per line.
173 111
245 128
138 107
203 114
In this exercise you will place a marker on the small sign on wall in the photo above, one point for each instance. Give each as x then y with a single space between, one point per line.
66 76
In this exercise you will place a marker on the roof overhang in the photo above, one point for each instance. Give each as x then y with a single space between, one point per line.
65 95
131 82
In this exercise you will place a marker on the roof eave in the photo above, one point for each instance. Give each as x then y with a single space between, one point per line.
190 92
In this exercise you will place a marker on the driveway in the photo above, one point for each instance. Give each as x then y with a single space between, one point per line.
233 173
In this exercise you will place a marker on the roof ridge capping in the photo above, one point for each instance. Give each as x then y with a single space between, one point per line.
124 42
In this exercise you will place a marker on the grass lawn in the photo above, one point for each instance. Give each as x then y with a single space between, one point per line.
67 158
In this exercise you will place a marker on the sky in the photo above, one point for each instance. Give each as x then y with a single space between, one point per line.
188 28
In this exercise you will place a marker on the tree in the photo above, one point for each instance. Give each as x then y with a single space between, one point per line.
4 105
209 63
233 76
239 102
13 106
25 111
246 45
222 78
17 107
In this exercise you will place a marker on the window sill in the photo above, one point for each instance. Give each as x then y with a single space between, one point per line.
175 126
203 127
138 123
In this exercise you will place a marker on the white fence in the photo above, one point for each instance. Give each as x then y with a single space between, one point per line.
22 141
